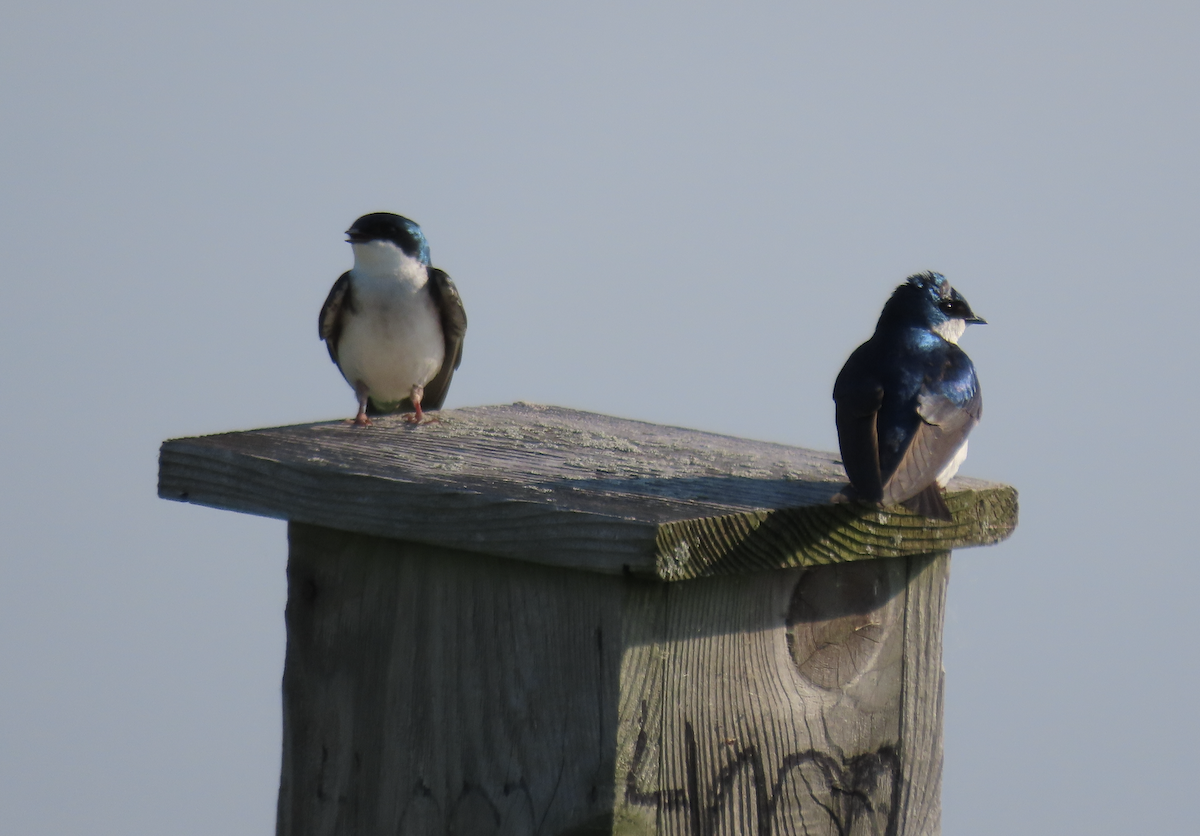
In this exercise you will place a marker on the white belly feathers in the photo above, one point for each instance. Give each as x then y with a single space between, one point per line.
952 466
393 340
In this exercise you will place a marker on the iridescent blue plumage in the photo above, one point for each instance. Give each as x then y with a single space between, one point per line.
385 226
907 398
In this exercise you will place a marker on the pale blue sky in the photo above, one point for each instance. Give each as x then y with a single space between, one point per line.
679 212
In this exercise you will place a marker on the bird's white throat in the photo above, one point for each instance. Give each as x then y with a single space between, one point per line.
383 260
951 330
393 339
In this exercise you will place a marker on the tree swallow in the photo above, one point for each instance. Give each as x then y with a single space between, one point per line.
906 399
393 324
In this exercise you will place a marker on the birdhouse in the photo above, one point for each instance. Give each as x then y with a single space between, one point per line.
525 619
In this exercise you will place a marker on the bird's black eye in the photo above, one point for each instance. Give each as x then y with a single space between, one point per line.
954 308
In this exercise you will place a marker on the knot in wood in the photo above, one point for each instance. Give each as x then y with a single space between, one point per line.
840 616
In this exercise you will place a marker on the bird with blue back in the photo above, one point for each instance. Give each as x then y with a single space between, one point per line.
907 398
393 324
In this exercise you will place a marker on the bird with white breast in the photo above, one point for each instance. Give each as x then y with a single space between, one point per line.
393 324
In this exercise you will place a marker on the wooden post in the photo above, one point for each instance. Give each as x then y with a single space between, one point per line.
527 619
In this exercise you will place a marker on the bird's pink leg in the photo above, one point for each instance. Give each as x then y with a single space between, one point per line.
361 419
417 393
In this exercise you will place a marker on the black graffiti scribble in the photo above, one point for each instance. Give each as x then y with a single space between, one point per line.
850 787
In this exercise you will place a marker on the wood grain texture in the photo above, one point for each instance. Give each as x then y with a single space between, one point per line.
569 488
798 702
433 691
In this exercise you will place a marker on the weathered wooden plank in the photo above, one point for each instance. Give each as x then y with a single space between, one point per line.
823 534
430 687
569 488
428 690
797 702
923 690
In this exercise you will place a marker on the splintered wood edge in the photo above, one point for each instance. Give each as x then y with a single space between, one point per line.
819 534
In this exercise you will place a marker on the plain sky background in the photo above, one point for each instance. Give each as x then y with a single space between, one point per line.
686 213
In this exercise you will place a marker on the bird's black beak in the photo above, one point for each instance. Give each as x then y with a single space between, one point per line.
960 306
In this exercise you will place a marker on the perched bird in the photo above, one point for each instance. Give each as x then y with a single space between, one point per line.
393 324
906 399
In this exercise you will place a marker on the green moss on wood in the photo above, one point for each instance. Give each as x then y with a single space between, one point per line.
820 534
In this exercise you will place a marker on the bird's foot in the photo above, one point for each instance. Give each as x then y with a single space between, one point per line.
423 418
417 416
848 495
359 421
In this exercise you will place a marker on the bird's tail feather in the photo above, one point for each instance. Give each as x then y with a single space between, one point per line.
929 503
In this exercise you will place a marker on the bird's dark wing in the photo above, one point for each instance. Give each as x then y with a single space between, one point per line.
454 329
329 324
949 407
857 396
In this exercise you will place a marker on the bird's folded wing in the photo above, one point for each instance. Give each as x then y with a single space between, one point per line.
454 328
857 408
329 324
943 429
